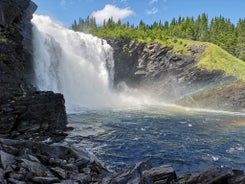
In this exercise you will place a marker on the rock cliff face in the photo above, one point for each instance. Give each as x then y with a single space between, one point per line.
23 112
172 78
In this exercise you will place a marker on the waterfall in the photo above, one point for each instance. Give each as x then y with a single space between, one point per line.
74 64
80 66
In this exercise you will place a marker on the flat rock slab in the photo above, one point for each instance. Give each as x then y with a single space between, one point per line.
163 173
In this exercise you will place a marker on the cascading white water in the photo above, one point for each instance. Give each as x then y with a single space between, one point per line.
71 63
76 65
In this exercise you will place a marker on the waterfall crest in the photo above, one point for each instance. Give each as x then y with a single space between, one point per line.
74 64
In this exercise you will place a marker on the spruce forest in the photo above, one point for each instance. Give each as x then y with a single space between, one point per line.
219 30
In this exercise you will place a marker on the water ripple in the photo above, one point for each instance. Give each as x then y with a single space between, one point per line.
188 142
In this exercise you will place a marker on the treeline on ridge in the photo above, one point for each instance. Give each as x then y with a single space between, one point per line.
219 31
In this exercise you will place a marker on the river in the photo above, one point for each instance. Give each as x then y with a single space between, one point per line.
188 140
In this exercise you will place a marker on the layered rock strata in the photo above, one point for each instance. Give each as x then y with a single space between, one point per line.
174 78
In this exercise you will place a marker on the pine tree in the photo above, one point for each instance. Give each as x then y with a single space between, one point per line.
220 31
240 51
201 28
74 26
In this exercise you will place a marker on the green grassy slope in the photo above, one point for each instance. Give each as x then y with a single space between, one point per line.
215 58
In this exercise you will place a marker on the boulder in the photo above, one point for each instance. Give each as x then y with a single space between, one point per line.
7 160
162 174
217 175
132 175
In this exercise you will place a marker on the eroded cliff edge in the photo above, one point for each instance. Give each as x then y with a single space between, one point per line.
175 78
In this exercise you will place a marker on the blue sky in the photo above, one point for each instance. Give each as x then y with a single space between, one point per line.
66 11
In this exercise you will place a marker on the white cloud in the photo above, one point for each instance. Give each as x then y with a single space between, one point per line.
156 1
153 11
111 11
153 1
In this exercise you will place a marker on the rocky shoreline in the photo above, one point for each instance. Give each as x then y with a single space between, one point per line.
32 124
36 162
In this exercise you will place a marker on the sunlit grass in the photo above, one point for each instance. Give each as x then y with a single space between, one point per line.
215 58
178 46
